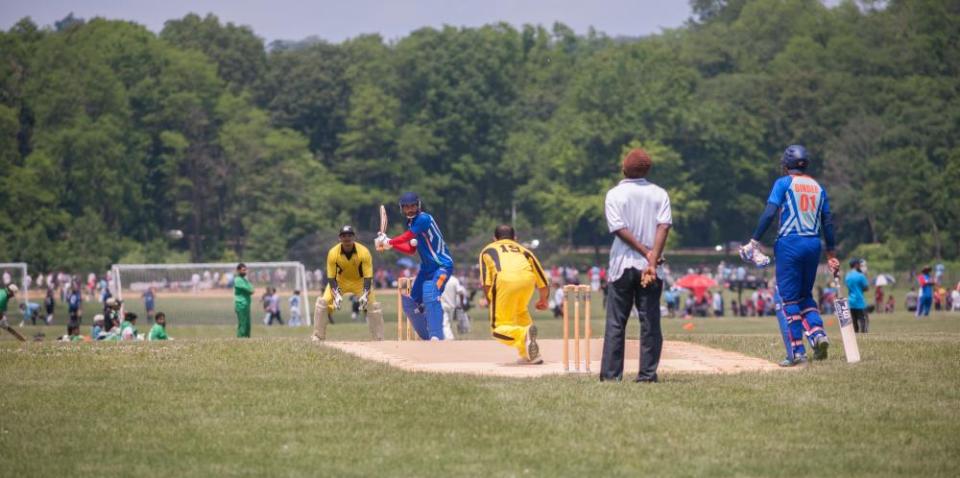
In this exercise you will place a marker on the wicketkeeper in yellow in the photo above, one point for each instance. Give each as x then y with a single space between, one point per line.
509 273
349 271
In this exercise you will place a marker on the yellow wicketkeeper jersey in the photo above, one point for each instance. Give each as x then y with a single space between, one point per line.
511 260
355 267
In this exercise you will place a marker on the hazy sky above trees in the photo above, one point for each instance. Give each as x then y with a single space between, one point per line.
336 20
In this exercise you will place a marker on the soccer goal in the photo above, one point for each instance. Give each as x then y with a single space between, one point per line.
16 273
202 293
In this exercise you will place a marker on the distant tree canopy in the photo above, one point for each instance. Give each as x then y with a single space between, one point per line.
111 135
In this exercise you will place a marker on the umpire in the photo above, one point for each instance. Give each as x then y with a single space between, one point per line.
638 215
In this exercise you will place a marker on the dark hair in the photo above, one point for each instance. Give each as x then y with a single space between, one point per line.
160 315
241 266
504 231
130 316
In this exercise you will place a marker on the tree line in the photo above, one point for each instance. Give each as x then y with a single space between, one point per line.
111 135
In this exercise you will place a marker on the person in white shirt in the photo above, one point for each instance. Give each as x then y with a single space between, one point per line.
557 305
717 304
449 302
638 215
294 303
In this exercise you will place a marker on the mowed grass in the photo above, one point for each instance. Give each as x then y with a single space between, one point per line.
278 405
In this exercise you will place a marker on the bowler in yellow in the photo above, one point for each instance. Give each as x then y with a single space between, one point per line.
510 273
349 271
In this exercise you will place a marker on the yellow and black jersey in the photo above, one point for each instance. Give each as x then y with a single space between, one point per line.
352 267
508 258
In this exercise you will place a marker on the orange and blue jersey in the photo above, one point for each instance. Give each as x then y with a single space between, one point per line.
804 208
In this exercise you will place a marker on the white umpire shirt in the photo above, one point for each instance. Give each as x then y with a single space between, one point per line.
638 206
448 300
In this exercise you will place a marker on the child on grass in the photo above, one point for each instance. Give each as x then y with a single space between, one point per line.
159 330
128 329
97 329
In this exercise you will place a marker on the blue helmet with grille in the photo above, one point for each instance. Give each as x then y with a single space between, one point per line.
410 198
795 158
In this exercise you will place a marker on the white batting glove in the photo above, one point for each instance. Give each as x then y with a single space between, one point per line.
753 252
337 299
382 242
363 300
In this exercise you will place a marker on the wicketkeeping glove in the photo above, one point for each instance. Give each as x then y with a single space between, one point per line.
753 252
363 300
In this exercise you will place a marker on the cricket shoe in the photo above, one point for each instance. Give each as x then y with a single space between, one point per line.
797 360
820 346
533 350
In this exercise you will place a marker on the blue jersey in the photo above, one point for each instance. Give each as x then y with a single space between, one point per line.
856 283
31 309
74 301
433 250
926 285
802 204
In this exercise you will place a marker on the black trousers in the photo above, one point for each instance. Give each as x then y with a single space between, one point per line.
861 321
623 295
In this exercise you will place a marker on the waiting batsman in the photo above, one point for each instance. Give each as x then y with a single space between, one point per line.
804 211
349 271
509 273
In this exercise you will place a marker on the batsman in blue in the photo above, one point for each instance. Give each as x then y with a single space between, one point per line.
804 211
423 236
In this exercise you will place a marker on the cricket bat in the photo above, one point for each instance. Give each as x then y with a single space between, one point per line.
383 224
842 309
14 332
383 219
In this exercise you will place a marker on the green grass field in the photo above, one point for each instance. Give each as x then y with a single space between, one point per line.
278 405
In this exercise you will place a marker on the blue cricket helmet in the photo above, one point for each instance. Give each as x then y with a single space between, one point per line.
795 158
409 198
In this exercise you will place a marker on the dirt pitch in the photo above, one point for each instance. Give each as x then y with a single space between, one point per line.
487 357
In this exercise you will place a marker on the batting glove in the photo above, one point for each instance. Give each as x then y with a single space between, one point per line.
382 242
834 264
753 252
337 298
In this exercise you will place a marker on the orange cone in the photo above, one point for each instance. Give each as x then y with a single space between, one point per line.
688 326
829 322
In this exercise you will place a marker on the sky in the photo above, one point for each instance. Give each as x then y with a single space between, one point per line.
337 20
